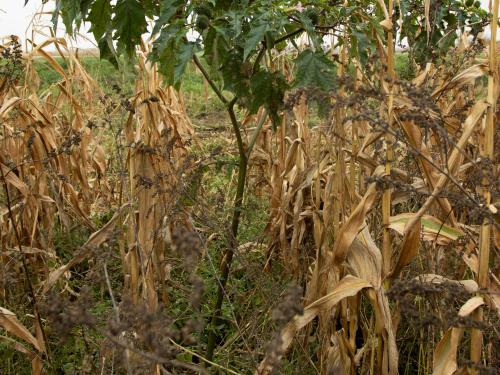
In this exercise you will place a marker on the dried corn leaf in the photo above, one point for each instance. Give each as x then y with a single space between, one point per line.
14 180
469 285
10 323
412 229
7 106
469 75
364 259
431 228
99 159
94 241
347 287
445 354
350 229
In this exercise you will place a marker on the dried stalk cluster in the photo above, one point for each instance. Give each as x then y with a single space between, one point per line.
366 208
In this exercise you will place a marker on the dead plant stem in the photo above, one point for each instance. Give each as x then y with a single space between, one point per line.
487 152
27 273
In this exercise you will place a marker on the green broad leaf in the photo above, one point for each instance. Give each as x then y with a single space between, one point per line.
268 91
256 34
56 14
361 45
403 7
236 75
222 5
288 28
447 42
166 49
99 17
167 38
236 22
374 23
85 6
70 10
129 24
166 66
314 69
105 51
168 9
223 32
215 50
450 19
152 8
308 26
184 54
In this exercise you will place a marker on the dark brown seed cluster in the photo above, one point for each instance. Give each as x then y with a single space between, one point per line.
289 307
11 60
64 315
439 303
282 314
186 243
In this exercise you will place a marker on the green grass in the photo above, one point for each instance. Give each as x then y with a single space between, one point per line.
202 104
198 96
403 66
199 99
101 70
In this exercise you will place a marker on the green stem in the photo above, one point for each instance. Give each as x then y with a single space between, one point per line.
240 190
212 84
238 201
235 222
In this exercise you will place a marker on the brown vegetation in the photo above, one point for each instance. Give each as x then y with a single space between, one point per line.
386 213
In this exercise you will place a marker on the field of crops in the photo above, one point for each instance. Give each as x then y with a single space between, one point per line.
209 209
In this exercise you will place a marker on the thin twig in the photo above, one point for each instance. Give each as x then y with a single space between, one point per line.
228 370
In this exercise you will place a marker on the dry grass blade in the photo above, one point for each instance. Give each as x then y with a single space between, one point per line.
353 224
347 287
468 76
364 259
14 180
445 355
94 241
410 245
10 323
8 105
413 226
445 361
432 229
427 9
469 285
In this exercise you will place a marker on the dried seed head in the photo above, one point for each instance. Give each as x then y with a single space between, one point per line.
187 244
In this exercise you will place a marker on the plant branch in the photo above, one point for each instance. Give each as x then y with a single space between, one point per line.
212 84
227 258
229 253
289 35
190 352
236 127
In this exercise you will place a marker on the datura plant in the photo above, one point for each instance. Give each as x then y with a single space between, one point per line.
233 36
